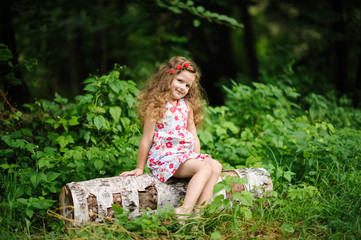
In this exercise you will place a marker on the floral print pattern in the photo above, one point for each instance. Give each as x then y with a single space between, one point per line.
172 144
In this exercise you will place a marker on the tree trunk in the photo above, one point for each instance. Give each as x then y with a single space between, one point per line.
249 41
357 99
91 201
340 49
17 94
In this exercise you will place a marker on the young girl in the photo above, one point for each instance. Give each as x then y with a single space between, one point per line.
170 107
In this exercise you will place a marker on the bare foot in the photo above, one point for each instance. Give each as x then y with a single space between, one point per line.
182 214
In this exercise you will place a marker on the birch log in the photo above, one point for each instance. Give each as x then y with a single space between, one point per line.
91 201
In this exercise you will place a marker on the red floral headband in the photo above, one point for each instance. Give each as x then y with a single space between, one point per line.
179 67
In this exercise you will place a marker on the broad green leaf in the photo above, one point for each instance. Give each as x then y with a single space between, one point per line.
99 122
44 162
19 143
89 80
73 121
5 166
115 112
77 155
245 197
16 134
37 177
98 164
206 137
246 212
30 147
115 86
23 201
61 141
5 53
125 121
64 141
91 87
52 175
29 212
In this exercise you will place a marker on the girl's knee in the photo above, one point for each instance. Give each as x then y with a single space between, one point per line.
216 166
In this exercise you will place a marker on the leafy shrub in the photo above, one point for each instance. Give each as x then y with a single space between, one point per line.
311 156
58 142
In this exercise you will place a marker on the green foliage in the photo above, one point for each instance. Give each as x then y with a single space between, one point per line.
59 142
177 6
312 156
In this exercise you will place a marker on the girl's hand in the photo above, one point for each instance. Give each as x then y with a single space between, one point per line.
136 172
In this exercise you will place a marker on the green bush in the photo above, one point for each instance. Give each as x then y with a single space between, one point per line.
57 142
312 155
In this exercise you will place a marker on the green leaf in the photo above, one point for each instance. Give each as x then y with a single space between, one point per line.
125 121
117 209
287 175
19 143
60 99
37 177
206 137
22 201
175 9
5 53
30 147
44 162
246 212
216 235
98 164
99 122
245 197
196 23
89 80
91 87
115 112
52 175
200 9
218 187
5 166
29 212
73 121
63 141
115 86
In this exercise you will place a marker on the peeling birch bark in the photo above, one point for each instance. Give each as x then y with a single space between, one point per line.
91 201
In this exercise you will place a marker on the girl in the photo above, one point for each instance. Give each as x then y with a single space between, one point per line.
170 107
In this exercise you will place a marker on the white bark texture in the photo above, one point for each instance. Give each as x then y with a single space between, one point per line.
91 201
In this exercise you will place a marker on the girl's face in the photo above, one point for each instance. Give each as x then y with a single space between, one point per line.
180 85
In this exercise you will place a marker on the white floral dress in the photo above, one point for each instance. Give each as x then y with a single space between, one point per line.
172 144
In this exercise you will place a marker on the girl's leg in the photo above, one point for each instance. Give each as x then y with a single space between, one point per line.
201 172
207 192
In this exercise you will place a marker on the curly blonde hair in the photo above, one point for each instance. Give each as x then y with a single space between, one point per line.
153 98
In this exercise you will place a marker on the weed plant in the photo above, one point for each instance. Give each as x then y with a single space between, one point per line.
310 146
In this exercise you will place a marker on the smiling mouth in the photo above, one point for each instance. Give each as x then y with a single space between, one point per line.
179 92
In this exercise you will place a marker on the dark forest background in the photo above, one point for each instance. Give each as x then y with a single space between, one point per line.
57 44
